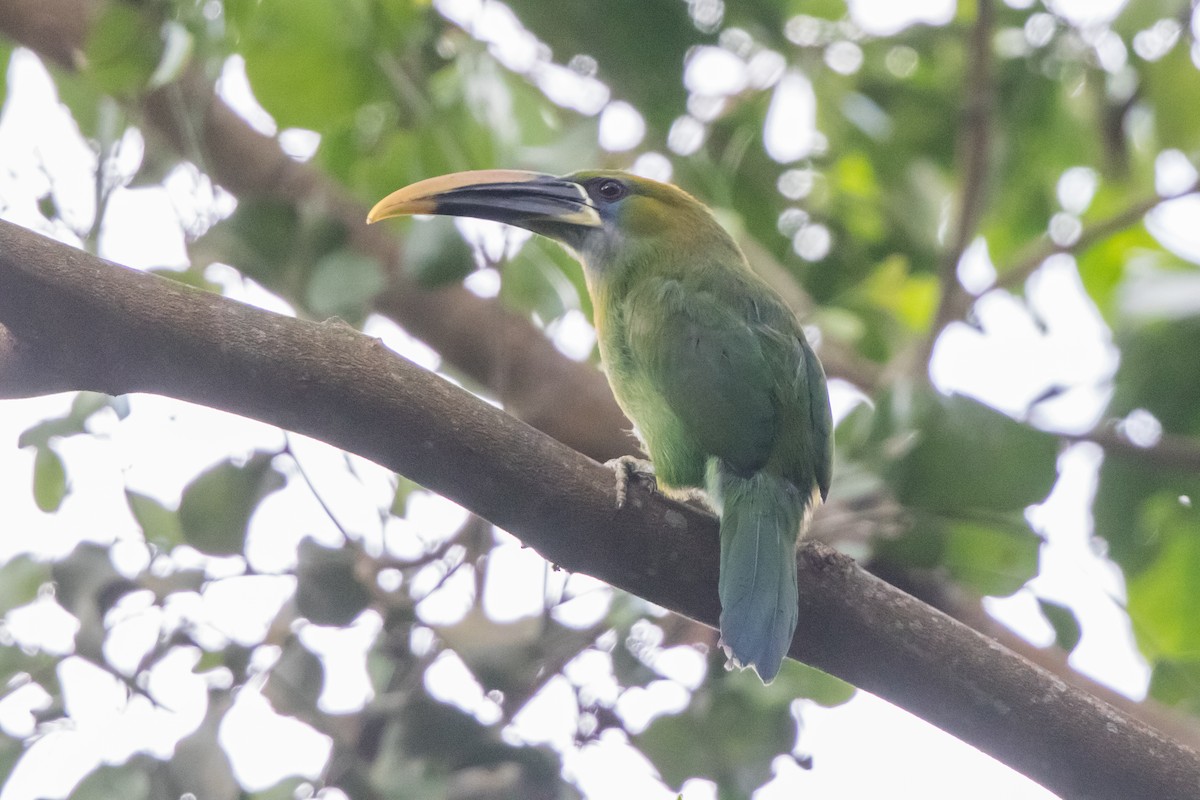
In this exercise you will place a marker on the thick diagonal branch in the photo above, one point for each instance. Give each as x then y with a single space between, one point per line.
76 322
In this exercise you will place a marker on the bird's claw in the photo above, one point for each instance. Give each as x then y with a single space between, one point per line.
627 467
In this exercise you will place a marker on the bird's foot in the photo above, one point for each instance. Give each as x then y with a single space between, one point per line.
627 467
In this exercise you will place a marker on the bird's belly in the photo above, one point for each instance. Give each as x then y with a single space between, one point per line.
678 460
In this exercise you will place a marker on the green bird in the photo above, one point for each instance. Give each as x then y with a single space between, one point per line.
704 356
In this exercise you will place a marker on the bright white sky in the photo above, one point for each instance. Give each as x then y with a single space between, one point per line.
162 445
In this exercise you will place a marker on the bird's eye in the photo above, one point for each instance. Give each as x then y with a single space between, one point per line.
610 190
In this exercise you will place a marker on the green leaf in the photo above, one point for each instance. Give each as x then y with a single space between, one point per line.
41 666
305 59
395 766
1042 126
5 56
993 556
122 49
635 41
264 234
49 479
1129 508
1164 598
969 456
73 422
160 525
199 766
537 280
11 751
723 744
541 124
426 740
86 583
86 404
912 299
295 681
1172 84
404 490
328 591
1157 374
1066 626
275 242
1177 683
1102 266
216 507
436 254
800 680
993 559
20 579
1135 17
342 284
130 781
79 95
730 732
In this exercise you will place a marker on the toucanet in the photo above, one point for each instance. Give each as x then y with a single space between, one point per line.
704 356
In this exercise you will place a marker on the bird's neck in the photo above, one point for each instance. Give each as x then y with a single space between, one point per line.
702 262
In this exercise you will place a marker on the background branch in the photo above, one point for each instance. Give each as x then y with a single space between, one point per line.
1043 248
966 607
974 152
1037 252
83 323
1168 452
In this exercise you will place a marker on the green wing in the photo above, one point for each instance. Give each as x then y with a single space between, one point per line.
821 417
804 447
709 366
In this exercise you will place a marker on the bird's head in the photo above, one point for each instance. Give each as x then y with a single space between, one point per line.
600 214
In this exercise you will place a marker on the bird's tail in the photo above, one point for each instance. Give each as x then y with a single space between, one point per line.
761 517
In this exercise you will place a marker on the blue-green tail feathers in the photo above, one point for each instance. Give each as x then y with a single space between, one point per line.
761 517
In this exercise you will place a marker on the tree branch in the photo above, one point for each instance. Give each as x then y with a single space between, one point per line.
974 152
1037 252
967 608
54 28
83 323
1170 451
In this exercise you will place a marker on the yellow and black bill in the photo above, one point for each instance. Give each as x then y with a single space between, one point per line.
540 203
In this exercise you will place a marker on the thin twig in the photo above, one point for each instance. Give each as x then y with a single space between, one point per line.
1037 252
973 154
1170 451
312 488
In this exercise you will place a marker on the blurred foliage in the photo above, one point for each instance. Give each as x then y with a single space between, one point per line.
854 229
214 513
734 727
